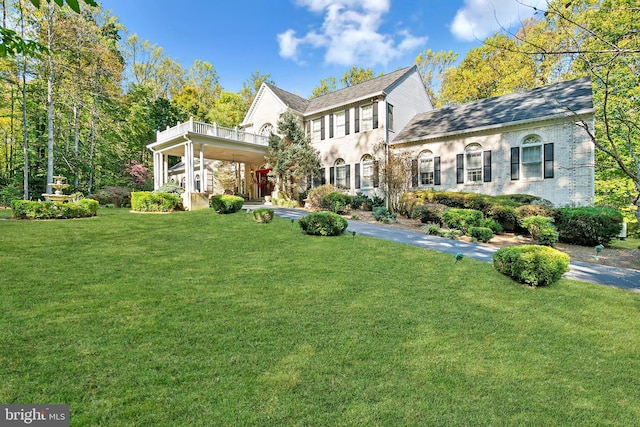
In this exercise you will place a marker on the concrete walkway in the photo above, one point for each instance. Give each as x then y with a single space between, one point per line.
619 277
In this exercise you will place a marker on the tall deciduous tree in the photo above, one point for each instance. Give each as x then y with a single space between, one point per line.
432 66
356 75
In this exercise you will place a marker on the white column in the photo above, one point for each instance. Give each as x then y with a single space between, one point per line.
165 168
202 181
188 167
156 171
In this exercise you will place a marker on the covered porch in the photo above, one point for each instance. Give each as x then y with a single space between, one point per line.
196 140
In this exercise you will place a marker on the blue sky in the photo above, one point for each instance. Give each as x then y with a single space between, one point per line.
300 42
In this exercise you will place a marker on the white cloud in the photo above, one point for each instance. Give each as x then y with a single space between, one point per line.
350 34
478 19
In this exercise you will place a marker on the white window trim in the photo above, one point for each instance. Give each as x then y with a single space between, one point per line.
526 144
316 133
366 123
341 169
474 149
339 124
426 156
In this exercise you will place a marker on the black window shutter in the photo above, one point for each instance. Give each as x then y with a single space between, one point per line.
331 125
346 121
322 128
460 168
436 171
515 163
357 172
308 126
414 172
486 166
548 160
323 179
356 120
376 172
348 176
332 175
375 114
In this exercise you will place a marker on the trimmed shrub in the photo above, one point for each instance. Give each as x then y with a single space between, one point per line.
587 225
376 201
482 234
429 213
116 196
532 265
505 215
317 194
533 224
171 188
532 210
147 201
263 215
492 224
323 224
336 202
462 219
226 203
548 236
27 209
9 193
450 233
381 213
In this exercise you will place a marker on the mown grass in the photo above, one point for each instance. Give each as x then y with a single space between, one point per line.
628 243
194 318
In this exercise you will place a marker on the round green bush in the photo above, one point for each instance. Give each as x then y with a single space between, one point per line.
226 203
336 202
531 264
548 236
505 215
263 215
482 234
494 225
323 224
587 226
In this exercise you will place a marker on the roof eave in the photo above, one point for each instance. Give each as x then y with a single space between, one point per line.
381 93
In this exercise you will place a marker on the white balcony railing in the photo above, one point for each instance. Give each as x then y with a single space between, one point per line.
233 134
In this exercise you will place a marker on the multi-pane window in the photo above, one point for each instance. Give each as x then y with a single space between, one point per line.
339 121
316 129
341 174
473 163
390 116
266 129
366 118
532 157
425 165
367 171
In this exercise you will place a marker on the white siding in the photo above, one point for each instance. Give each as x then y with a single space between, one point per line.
408 98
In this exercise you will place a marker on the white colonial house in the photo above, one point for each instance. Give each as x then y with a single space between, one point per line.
526 142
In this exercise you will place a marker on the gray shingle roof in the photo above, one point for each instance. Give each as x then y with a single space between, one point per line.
293 101
540 103
341 97
358 91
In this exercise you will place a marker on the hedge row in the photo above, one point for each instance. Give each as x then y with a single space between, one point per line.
226 203
147 201
27 209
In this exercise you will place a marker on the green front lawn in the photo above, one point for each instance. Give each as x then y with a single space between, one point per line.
193 318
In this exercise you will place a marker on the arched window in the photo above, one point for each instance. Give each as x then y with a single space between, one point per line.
266 129
425 168
531 157
367 177
197 183
341 174
473 163
173 181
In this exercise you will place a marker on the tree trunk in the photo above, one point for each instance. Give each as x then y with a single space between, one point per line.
76 143
50 82
25 134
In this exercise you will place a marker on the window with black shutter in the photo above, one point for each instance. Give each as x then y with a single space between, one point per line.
548 160
321 128
375 114
331 125
486 166
436 171
346 121
376 174
357 172
356 120
460 168
515 163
